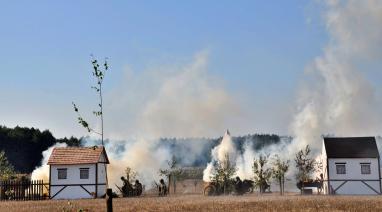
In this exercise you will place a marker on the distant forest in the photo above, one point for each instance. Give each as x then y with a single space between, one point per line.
24 146
181 147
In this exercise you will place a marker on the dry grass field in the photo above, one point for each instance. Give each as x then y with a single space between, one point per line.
202 203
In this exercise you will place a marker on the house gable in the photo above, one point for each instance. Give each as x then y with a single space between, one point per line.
351 147
85 172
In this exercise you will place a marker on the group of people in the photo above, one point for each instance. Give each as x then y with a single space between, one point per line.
128 189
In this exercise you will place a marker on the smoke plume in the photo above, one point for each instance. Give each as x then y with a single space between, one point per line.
42 172
338 97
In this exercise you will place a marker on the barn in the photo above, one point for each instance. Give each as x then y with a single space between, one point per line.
77 172
351 165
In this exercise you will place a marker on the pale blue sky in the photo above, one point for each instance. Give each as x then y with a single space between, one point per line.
259 48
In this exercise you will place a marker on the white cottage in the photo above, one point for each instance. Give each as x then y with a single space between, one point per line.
77 172
351 166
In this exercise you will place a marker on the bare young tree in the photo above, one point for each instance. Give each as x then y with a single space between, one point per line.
130 174
262 173
223 173
305 165
172 172
279 169
99 75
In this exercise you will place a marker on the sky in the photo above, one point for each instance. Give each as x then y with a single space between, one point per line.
254 54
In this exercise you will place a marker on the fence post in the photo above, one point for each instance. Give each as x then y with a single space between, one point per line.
109 200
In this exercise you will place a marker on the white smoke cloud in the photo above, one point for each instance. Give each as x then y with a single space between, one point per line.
184 101
219 153
181 101
42 172
339 98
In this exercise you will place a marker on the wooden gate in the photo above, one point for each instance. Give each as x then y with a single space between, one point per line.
23 190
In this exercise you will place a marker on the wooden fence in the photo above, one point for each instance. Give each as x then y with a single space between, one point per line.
23 190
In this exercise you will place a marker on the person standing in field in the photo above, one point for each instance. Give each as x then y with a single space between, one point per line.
162 188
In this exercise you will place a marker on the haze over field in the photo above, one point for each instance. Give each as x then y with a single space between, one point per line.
192 70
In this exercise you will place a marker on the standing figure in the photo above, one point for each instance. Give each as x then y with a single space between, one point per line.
239 186
162 188
138 188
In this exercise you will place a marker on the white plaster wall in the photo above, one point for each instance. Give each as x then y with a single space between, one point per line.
324 169
73 177
102 179
353 172
356 187
353 168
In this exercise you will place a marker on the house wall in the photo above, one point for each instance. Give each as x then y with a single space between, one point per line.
102 179
324 170
73 177
353 172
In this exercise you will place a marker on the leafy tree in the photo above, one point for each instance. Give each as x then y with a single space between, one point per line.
279 169
223 172
262 173
172 172
305 165
99 76
6 169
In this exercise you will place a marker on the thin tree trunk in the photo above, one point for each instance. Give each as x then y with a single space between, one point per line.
169 183
100 95
283 182
174 184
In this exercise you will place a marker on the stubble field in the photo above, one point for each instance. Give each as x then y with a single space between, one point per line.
201 203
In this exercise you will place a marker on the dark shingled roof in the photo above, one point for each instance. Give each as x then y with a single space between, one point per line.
351 147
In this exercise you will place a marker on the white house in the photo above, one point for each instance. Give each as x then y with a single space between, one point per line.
77 172
351 166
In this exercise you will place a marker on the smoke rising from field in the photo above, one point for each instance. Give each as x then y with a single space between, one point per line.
338 98
42 172
183 101
186 101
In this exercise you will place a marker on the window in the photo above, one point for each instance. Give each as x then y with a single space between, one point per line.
341 168
365 168
84 173
62 174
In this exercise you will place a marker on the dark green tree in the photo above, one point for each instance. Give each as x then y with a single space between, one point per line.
99 76
6 169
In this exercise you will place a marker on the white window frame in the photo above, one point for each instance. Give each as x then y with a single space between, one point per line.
84 171
62 173
339 171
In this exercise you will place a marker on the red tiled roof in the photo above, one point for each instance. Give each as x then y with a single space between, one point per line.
76 155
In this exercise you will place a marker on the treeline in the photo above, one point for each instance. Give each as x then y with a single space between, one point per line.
183 148
23 146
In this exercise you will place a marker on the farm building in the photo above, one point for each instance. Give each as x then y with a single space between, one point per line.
351 166
77 172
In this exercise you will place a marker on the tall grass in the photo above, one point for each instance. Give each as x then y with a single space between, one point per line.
202 203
